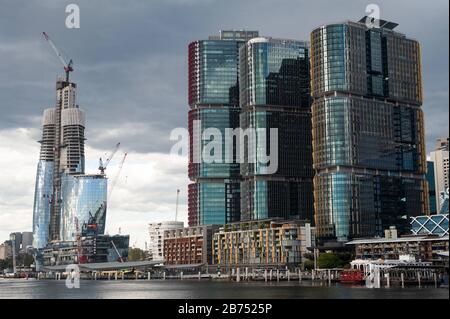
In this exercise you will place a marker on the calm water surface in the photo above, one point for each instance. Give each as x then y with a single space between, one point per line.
13 288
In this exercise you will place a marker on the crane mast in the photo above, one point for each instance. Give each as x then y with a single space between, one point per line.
68 67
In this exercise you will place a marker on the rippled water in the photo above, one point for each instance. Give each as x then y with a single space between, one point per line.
205 289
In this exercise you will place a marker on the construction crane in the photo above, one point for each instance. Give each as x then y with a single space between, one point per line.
102 166
176 207
114 181
68 67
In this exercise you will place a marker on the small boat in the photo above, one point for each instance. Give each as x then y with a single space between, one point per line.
352 276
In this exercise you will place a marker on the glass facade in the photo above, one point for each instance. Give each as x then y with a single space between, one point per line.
430 225
275 72
368 135
214 197
274 94
214 202
220 118
432 187
42 203
83 200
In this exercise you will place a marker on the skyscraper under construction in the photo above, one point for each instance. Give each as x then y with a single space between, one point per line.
65 198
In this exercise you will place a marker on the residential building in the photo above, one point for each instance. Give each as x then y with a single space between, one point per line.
189 246
275 102
368 130
439 157
263 243
156 242
6 250
214 194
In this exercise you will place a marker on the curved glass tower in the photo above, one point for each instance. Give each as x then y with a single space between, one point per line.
274 95
368 134
214 195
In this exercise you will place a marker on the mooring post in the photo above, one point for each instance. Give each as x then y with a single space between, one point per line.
238 275
199 275
388 280
149 276
329 277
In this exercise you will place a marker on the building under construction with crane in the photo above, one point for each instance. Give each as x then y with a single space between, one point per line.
69 205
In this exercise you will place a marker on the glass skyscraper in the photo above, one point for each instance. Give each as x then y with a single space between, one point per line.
274 94
214 195
368 133
83 203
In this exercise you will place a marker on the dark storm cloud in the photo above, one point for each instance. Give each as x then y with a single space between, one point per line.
131 64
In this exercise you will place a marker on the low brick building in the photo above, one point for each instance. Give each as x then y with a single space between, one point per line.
188 246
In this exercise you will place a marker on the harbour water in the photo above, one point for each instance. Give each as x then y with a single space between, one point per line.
176 289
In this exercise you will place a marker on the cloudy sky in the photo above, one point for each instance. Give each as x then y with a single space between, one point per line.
131 69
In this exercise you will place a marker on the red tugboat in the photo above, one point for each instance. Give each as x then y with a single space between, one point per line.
352 276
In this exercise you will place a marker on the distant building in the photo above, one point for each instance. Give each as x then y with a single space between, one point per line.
423 248
263 243
156 242
27 241
189 246
16 242
440 158
6 250
430 225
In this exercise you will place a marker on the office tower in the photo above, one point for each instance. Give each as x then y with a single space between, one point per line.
27 240
64 196
439 157
274 97
214 195
157 232
368 133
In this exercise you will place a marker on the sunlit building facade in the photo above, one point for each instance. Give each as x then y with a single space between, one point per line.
213 196
275 99
368 133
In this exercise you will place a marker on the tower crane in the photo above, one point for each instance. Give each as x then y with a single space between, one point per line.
176 207
102 165
116 177
68 67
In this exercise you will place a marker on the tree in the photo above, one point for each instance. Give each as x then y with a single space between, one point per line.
6 263
329 260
